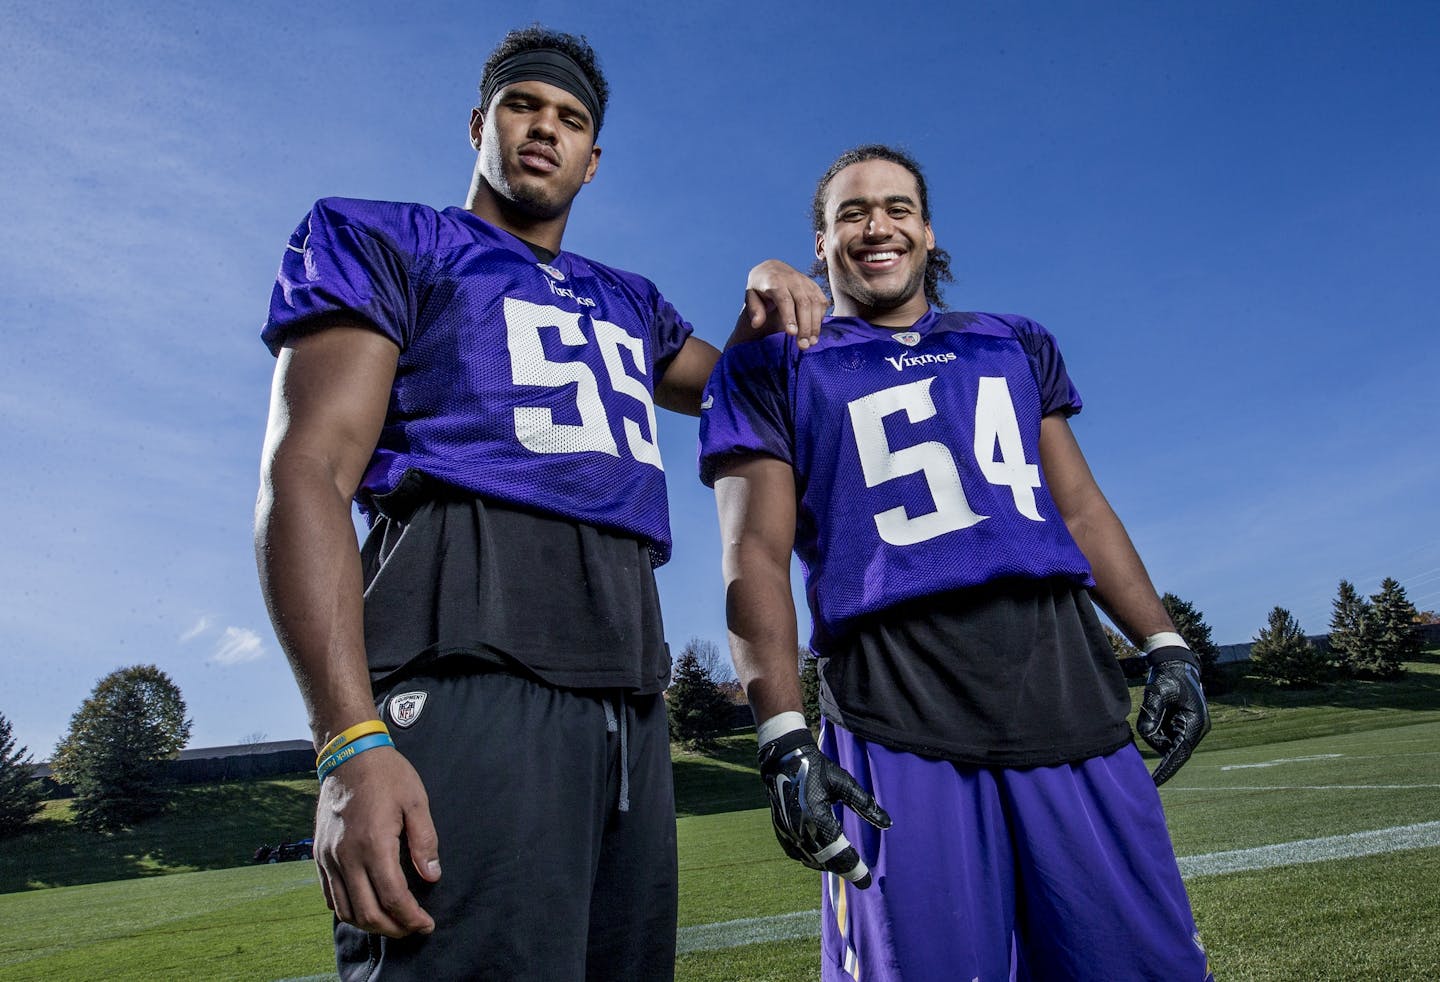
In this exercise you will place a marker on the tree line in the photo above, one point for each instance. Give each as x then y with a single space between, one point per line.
1369 639
113 756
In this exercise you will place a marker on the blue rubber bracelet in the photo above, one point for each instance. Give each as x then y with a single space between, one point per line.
350 750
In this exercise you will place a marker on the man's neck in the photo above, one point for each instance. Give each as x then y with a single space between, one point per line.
898 318
484 203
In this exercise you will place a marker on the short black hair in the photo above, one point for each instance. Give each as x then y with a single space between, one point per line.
536 37
937 261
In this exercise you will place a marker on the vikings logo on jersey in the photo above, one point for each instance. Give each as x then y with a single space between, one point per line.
918 463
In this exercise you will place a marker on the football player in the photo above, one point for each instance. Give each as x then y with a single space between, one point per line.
999 821
484 676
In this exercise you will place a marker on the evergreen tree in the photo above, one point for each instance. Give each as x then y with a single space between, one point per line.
1396 640
119 740
810 687
699 711
1283 653
1352 630
20 793
1190 624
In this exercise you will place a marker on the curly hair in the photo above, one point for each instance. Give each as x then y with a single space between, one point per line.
536 37
937 261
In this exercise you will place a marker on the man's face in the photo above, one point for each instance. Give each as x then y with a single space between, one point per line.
537 147
875 244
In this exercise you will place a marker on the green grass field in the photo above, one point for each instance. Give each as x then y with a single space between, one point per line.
1279 767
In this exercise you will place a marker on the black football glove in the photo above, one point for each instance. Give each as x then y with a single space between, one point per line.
1173 714
803 784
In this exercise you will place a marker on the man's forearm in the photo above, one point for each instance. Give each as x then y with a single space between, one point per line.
755 497
760 614
1122 586
311 579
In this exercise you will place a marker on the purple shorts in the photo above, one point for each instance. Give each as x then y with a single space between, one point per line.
990 874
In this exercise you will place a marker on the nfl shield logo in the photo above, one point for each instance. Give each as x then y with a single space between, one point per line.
908 338
554 273
405 708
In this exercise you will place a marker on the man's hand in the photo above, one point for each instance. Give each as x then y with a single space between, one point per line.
778 297
1173 714
803 784
365 806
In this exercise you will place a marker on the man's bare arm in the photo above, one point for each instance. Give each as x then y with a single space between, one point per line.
1173 716
778 297
327 405
680 388
1122 586
755 497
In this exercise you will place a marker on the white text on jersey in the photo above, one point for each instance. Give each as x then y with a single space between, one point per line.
565 291
915 361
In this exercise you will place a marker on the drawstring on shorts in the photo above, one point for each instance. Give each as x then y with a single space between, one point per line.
611 726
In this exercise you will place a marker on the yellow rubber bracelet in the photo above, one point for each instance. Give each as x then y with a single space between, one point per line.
353 733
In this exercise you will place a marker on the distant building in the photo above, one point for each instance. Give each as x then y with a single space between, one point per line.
241 761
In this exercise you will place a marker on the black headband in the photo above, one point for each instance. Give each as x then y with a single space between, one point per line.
544 65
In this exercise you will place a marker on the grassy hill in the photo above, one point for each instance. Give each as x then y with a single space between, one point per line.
1255 711
218 826
1279 767
213 827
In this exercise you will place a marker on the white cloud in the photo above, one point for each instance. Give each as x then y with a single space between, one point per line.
239 645
201 626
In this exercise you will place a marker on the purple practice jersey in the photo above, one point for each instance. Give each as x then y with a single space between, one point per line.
526 382
916 455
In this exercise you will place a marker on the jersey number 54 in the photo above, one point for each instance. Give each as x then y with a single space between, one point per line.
998 452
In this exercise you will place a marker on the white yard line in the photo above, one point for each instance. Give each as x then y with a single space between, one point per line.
1312 787
806 924
1421 836
749 930
1278 761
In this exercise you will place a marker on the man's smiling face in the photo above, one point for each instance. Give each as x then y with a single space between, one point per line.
876 243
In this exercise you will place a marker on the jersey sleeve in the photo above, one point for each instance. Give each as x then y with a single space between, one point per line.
338 264
1057 392
671 331
746 408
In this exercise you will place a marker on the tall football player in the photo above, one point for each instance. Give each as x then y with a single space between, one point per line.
483 678
921 465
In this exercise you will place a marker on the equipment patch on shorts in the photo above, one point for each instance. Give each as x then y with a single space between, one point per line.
406 706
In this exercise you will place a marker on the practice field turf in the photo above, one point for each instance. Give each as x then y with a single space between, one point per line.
1320 771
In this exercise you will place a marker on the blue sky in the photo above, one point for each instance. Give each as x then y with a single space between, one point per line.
1227 213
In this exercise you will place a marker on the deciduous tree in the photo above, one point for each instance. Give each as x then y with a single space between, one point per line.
1129 655
114 754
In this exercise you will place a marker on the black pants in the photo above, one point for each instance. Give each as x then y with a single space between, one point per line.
545 877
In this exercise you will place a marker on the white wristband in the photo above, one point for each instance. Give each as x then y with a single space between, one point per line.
779 725
1165 639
